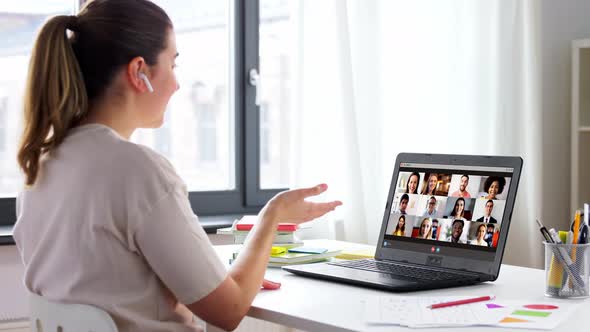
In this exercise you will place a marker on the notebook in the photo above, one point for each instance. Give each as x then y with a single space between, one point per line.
299 257
445 224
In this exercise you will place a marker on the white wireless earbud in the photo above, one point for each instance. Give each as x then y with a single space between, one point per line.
146 81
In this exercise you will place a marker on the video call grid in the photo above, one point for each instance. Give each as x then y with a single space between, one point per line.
463 207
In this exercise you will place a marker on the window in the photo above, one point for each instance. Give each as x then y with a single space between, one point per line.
19 22
200 115
231 159
268 40
275 47
162 137
265 131
206 109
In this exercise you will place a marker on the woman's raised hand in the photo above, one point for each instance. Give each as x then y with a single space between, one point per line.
291 207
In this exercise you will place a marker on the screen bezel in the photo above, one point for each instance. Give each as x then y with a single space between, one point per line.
419 253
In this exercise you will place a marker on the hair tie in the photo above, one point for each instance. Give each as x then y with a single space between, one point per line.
72 23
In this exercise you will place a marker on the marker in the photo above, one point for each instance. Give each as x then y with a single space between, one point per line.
460 302
583 235
576 231
545 233
555 279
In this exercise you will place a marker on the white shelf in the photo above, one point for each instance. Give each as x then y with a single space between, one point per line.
581 43
580 140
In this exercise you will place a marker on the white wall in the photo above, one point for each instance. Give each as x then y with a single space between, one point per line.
561 22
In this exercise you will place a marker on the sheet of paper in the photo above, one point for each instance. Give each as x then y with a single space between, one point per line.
385 310
413 311
544 315
463 315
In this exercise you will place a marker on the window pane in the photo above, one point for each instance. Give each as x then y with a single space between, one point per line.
275 46
19 24
198 134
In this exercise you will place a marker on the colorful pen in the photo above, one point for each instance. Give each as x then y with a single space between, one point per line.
576 230
460 302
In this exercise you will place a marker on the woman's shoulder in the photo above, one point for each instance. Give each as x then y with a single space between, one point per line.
128 162
146 163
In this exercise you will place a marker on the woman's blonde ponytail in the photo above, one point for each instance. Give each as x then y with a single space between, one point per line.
55 96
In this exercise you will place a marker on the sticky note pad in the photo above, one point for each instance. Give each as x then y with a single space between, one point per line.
277 250
308 250
531 313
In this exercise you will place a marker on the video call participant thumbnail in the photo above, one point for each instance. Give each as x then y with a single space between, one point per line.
462 192
434 229
430 184
425 231
493 186
403 204
487 217
480 236
489 237
400 228
430 210
459 209
457 231
412 184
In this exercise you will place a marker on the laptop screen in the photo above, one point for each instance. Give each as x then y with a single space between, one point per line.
448 206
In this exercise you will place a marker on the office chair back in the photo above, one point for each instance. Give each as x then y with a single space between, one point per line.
47 316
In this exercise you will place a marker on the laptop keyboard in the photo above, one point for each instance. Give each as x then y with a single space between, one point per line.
400 270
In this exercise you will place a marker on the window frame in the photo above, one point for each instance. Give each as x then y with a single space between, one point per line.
254 194
247 197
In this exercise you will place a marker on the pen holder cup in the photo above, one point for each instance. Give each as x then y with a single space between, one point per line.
567 268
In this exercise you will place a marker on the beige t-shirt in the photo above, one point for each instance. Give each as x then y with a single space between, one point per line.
108 223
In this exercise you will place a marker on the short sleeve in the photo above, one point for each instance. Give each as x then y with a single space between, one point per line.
177 248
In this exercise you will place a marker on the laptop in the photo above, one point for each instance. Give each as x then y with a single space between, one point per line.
445 224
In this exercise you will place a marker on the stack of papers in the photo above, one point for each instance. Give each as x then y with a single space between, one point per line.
413 311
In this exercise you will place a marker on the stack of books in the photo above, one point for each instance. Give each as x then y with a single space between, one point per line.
284 237
287 248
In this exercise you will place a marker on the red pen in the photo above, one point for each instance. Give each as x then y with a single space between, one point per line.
460 302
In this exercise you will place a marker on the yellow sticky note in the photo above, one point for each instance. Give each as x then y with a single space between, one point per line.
277 250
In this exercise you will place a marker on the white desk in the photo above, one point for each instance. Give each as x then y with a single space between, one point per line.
316 305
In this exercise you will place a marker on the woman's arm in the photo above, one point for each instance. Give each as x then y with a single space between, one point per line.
227 305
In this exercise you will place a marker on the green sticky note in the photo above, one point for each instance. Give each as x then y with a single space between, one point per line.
531 313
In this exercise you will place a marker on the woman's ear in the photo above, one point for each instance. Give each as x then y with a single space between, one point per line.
137 75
